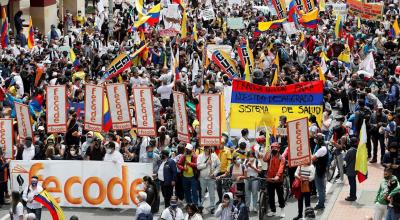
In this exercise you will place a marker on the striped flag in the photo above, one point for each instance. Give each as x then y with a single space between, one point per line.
107 124
361 166
51 204
4 28
276 65
31 39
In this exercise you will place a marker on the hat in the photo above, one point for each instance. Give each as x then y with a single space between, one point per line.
128 139
275 145
40 128
90 133
189 146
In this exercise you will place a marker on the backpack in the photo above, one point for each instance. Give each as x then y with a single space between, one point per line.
23 201
144 216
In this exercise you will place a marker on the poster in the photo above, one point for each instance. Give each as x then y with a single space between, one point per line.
298 142
117 66
208 14
290 28
172 17
85 183
24 122
181 117
280 8
235 23
224 61
259 106
146 123
366 11
210 119
94 105
56 114
118 104
7 137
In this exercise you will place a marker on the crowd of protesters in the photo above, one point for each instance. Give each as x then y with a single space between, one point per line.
187 171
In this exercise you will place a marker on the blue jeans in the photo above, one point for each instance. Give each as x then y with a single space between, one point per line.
391 214
321 189
190 190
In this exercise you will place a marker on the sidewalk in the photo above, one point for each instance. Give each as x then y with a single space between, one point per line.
366 192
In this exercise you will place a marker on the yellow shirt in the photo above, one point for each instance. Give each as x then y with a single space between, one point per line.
80 75
13 91
189 171
239 155
225 159
81 20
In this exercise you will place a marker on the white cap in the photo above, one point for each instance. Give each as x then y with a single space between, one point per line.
128 139
41 128
189 147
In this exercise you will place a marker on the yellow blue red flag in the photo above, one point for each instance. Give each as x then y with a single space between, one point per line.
361 166
51 204
31 39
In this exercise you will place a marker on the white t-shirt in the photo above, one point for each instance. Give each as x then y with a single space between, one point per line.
322 151
160 173
167 214
19 211
28 153
165 91
116 156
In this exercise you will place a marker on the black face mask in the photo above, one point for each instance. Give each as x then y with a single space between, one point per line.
274 152
188 152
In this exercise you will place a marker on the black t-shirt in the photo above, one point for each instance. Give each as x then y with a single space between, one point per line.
96 153
69 138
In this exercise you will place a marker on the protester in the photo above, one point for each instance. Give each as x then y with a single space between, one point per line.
350 159
381 199
143 211
28 196
17 208
150 189
192 212
225 208
306 174
166 174
320 159
173 212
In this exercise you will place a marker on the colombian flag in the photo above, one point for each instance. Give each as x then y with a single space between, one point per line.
247 72
184 25
338 27
361 166
276 65
302 42
4 28
31 39
265 26
73 58
106 115
51 204
310 20
154 15
395 30
195 37
292 16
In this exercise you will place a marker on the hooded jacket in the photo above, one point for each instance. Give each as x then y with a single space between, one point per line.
225 213
383 191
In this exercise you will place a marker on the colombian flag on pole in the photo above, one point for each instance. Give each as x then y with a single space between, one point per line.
195 37
31 39
292 16
361 166
395 30
276 65
265 26
73 58
106 115
4 28
51 204
310 20
302 42
154 15
184 25
338 26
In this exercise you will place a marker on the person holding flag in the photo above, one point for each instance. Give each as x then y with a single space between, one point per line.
350 160
29 194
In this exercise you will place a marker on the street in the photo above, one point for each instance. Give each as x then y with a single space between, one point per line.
128 214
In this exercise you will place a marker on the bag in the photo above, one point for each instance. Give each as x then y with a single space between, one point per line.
23 201
296 188
144 216
305 186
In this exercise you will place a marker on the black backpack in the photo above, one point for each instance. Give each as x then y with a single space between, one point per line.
144 216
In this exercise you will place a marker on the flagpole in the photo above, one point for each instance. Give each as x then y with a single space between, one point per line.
110 18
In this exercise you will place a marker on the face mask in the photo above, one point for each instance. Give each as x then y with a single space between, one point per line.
37 139
34 184
387 177
173 206
274 152
72 152
238 161
89 140
235 202
108 151
150 154
188 152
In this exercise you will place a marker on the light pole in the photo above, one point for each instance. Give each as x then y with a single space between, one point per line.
110 18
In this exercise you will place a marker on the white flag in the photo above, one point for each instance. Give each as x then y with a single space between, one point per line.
368 64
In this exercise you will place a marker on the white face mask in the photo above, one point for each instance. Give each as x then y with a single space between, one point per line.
72 152
109 151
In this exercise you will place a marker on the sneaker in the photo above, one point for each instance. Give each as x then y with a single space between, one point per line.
282 215
270 214
350 199
212 211
319 207
373 160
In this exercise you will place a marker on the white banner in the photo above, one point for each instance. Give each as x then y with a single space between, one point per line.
94 108
6 137
84 183
213 47
299 147
56 109
208 14
146 123
23 119
290 28
210 119
119 108
181 117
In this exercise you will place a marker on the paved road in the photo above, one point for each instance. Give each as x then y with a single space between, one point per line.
107 214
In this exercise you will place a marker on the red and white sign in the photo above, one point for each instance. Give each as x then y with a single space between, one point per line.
23 119
299 147
146 123
94 108
210 119
6 137
181 117
119 108
56 109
